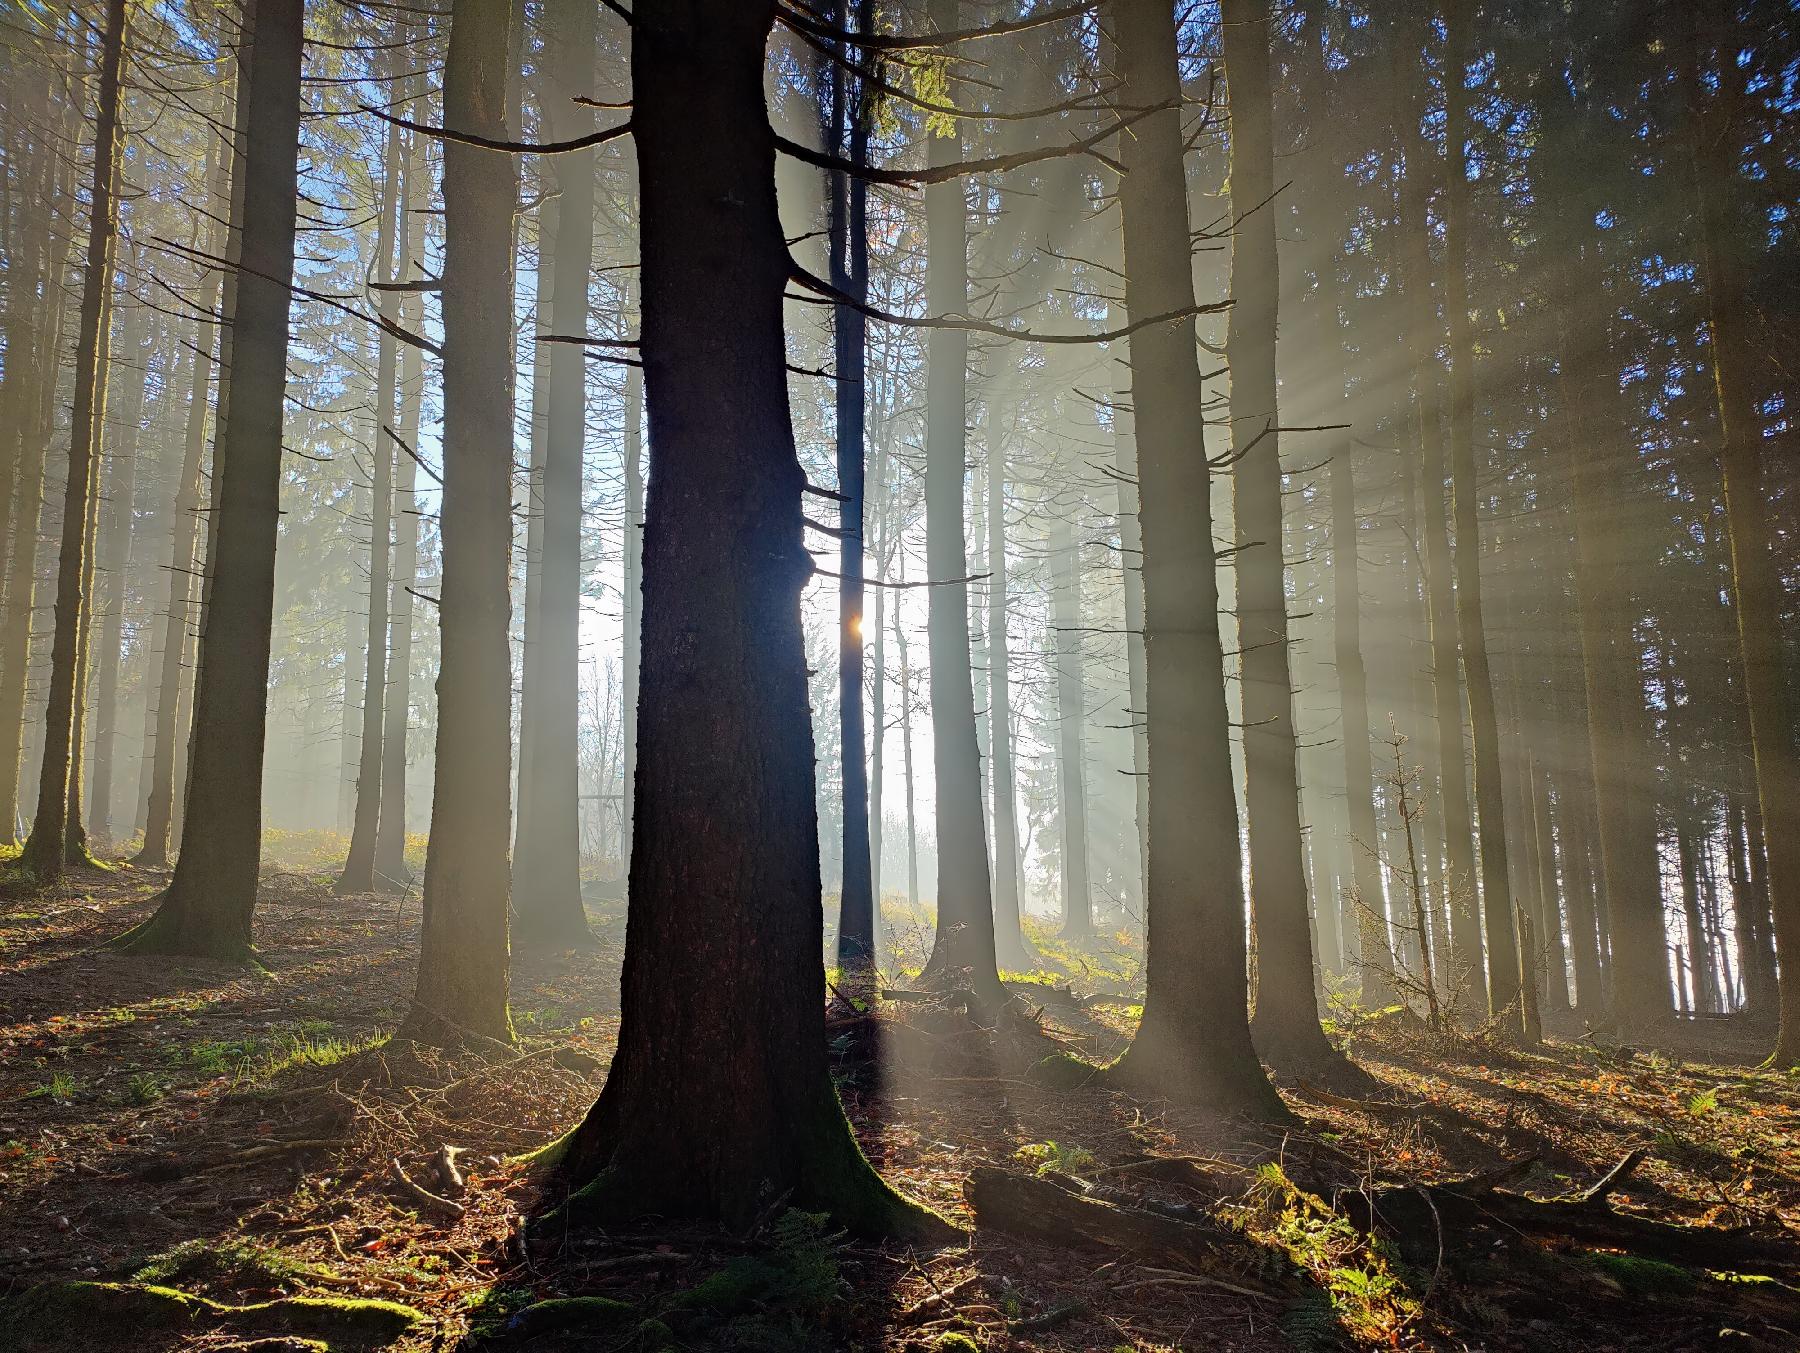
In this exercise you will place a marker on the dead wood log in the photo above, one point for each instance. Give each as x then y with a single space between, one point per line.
447 1208
1024 1205
1412 1215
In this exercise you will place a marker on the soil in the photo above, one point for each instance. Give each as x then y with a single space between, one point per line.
251 1135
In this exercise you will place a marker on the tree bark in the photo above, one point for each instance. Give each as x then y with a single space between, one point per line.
1768 684
359 866
723 991
391 869
464 963
120 444
1286 1027
1503 973
547 908
962 954
1193 1042
1071 732
53 831
849 240
209 903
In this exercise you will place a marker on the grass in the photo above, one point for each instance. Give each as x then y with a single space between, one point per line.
61 1088
250 1060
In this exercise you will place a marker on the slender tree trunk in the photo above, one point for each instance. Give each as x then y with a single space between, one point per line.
1010 948
1071 725
1193 1043
208 907
391 869
1503 981
962 954
850 274
359 867
725 860
547 906
112 549
464 964
53 831
1468 980
1286 1025
906 747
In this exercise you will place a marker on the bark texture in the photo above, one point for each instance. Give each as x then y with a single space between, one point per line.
723 992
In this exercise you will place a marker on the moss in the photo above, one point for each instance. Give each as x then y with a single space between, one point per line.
591 1315
1644 1277
953 1342
737 1287
41 1316
164 933
1060 1071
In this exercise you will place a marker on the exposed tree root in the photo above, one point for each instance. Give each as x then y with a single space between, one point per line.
41 1317
1058 1212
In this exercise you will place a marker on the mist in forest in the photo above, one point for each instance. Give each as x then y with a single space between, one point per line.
1280 520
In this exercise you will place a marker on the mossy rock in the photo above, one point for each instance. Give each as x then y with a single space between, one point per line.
591 1315
1060 1071
41 1317
1643 1277
953 1341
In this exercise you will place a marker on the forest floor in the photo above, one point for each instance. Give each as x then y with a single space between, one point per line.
252 1137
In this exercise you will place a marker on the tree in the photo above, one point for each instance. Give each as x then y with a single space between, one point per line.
962 955
1756 585
547 906
1193 1042
210 901
849 244
54 831
464 964
359 866
724 859
1286 1024
1505 997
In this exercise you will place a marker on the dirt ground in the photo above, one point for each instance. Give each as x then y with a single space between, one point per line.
251 1137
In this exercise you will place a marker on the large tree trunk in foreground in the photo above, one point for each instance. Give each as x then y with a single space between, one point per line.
1505 996
208 907
464 964
962 954
547 906
723 992
1193 1043
359 867
54 830
1756 582
1286 1027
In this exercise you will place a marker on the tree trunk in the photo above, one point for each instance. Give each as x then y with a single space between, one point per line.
35 414
359 867
634 572
1286 1025
1768 684
1010 948
723 995
1193 1043
391 870
1464 956
112 549
53 831
962 954
464 965
1071 737
1503 981
208 907
850 274
547 909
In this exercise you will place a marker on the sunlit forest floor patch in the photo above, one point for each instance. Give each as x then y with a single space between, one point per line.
239 1158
